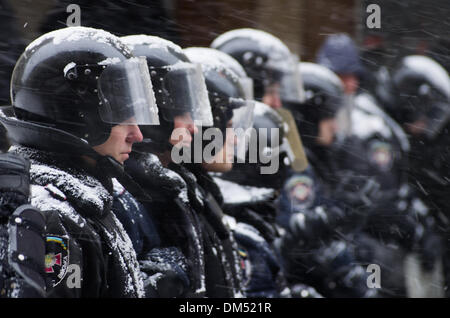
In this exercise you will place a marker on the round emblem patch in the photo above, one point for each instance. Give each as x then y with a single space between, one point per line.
380 155
300 191
246 266
56 258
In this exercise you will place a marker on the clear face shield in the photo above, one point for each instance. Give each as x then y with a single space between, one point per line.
288 76
293 145
242 121
125 92
436 117
247 86
344 118
183 90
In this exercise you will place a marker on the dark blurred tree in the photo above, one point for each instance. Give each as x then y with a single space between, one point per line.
120 17
11 46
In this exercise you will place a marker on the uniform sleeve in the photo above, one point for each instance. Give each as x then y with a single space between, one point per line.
74 262
306 214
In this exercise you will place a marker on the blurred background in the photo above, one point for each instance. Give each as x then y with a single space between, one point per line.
407 27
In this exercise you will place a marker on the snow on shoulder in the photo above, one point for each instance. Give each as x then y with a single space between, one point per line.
235 193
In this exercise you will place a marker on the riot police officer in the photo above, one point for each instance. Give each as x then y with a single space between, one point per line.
78 95
185 215
419 95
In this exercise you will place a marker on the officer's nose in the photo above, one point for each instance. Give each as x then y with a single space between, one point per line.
276 102
186 121
193 129
134 134
272 98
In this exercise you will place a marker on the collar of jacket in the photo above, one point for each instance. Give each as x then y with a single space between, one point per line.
205 181
195 192
69 179
147 170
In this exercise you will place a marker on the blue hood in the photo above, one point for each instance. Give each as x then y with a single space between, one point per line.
340 54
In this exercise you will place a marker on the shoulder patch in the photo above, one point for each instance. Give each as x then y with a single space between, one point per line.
381 155
300 190
246 266
56 258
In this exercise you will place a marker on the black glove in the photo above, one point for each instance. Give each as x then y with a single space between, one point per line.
260 215
165 273
316 225
430 250
357 191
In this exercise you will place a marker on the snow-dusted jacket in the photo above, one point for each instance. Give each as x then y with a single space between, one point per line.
177 225
250 216
88 253
183 219
223 274
163 267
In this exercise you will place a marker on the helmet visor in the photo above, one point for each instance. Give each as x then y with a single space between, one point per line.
126 94
242 121
184 90
247 86
289 77
293 144
437 117
344 119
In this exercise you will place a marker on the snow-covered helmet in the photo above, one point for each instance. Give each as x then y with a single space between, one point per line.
267 143
71 86
179 85
228 92
324 97
422 87
266 59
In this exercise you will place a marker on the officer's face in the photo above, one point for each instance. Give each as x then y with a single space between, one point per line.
350 83
120 141
223 160
272 96
327 131
417 127
183 130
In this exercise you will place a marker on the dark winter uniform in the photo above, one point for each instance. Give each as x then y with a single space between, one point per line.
186 220
83 236
222 273
164 268
429 161
250 212
315 247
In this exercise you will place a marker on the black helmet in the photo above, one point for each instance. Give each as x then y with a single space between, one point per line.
71 86
324 97
228 91
267 144
422 87
265 59
178 84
